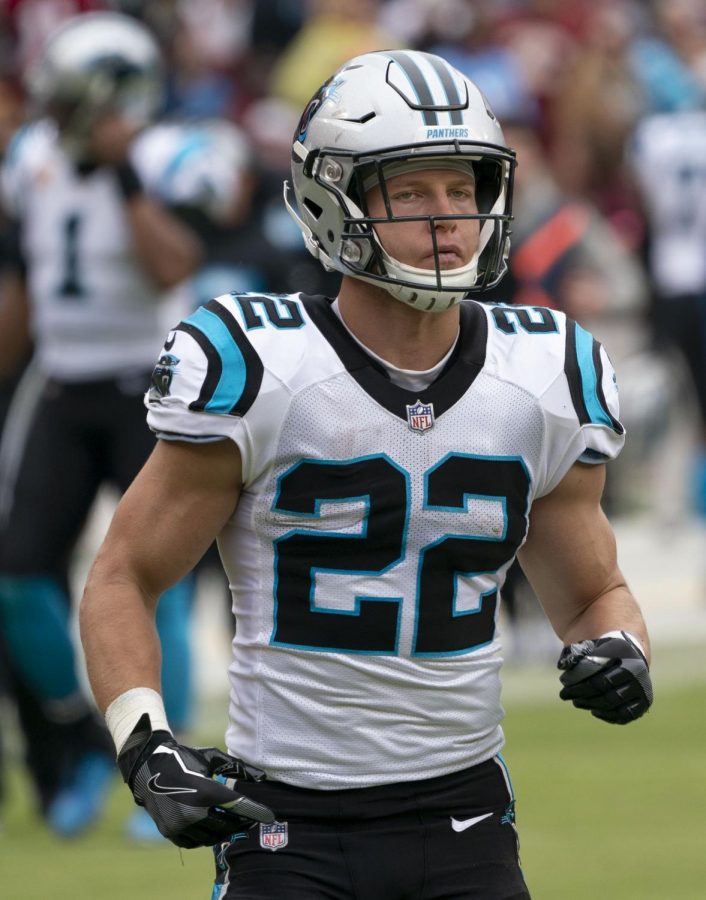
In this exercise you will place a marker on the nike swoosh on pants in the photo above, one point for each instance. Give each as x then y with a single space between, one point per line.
463 824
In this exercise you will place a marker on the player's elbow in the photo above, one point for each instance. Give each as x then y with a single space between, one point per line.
113 584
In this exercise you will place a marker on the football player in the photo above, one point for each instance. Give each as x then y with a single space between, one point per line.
371 464
107 204
667 161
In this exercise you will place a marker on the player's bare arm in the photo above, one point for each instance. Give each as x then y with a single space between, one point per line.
178 503
14 324
167 248
570 559
163 525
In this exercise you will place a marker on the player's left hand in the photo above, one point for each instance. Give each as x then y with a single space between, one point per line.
609 676
193 794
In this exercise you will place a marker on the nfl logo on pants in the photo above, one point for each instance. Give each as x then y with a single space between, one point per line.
274 836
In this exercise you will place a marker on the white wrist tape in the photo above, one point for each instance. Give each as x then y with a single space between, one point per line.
126 710
629 634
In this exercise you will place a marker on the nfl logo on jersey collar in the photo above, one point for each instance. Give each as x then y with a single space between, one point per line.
420 416
274 836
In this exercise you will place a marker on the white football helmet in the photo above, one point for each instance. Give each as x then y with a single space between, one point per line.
380 113
94 63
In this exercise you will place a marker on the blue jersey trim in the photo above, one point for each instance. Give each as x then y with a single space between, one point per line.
231 382
589 379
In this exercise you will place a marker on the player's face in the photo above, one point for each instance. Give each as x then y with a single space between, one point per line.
429 192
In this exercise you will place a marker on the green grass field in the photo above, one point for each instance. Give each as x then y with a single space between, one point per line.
603 812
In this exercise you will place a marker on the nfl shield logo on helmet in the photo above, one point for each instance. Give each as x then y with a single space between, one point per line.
274 836
420 416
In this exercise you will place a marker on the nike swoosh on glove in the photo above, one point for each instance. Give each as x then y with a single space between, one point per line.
190 792
608 676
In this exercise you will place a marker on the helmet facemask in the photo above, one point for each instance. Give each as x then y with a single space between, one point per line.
436 287
360 253
112 89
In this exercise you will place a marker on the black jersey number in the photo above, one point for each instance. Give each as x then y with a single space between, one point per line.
279 310
532 319
382 489
70 286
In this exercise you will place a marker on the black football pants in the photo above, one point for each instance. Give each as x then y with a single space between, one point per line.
446 838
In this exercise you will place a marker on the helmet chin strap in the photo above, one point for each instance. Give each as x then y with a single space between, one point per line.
428 296
425 299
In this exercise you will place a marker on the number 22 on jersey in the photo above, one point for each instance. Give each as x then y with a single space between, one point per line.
303 620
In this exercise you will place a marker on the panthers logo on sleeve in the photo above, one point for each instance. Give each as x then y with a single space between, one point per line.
212 368
162 375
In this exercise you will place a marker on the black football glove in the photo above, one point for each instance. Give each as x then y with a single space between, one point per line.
189 792
609 676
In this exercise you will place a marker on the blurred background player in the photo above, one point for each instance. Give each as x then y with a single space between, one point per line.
111 212
668 156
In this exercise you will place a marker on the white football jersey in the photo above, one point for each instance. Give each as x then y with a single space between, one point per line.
94 312
376 525
669 161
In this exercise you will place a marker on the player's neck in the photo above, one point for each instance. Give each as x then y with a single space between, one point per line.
406 337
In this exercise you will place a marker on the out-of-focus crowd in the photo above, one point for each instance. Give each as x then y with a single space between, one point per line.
576 86
602 99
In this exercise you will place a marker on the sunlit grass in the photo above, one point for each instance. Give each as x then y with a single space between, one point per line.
608 811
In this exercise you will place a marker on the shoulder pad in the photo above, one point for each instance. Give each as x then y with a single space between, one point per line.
198 164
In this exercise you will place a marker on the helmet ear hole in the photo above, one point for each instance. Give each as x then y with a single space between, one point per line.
313 208
488 184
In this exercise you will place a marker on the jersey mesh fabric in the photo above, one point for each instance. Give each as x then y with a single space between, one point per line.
327 719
